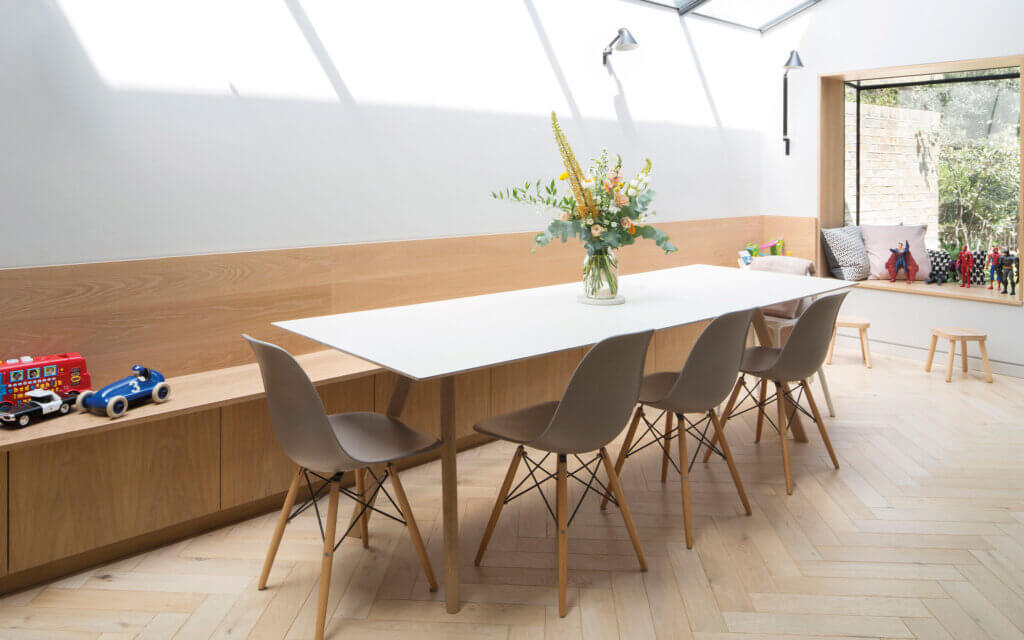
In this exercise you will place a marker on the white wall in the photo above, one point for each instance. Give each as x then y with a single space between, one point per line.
141 128
842 35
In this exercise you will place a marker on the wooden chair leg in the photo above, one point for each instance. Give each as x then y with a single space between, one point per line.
410 523
931 353
626 444
963 355
949 362
784 437
562 510
616 486
357 532
762 396
826 392
684 482
729 461
865 347
364 522
821 423
667 445
831 345
984 360
282 522
510 476
729 406
328 560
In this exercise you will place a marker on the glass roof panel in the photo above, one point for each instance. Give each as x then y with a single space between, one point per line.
755 14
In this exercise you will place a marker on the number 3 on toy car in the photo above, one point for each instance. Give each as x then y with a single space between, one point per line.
135 386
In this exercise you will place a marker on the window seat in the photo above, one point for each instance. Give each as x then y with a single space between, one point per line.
977 293
189 394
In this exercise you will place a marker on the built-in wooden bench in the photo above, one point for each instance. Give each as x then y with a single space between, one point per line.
192 393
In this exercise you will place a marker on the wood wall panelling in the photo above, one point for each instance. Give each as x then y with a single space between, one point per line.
78 494
177 315
528 382
672 346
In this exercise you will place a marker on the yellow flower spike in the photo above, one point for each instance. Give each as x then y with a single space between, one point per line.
564 176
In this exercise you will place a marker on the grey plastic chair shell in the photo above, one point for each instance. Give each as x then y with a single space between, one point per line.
710 370
321 442
596 404
805 349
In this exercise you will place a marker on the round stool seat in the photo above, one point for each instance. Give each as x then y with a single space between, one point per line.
958 333
853 322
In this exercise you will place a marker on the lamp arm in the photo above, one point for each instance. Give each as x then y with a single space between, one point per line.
608 50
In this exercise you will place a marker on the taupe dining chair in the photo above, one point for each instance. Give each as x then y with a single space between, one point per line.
801 356
597 402
704 382
327 446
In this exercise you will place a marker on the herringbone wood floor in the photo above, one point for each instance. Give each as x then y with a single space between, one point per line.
919 534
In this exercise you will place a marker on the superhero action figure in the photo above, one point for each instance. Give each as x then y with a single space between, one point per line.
1009 272
992 262
901 258
964 264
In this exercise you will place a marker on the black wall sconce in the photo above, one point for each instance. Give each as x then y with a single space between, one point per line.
794 62
624 41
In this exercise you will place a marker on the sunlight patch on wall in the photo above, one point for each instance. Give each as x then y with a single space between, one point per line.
195 46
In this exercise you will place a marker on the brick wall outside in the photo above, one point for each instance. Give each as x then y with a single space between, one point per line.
899 167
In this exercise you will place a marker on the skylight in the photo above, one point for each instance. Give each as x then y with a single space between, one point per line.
756 15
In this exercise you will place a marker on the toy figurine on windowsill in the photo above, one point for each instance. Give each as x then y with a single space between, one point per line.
992 261
964 264
1009 272
901 258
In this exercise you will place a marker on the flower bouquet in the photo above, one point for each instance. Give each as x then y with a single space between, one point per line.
602 209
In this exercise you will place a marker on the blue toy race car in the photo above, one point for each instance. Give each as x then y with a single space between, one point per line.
115 399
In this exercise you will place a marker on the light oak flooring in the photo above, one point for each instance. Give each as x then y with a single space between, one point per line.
920 534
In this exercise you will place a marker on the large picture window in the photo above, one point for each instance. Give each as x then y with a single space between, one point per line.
941 150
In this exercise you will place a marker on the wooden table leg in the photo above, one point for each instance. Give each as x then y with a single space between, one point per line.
449 496
764 336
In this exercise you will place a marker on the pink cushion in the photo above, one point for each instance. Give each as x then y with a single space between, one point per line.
784 264
879 239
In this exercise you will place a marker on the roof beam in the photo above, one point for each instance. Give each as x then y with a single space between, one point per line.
807 4
690 6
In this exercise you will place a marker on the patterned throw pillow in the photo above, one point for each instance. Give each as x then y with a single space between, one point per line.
844 249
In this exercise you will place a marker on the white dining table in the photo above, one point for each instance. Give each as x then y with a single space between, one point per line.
437 340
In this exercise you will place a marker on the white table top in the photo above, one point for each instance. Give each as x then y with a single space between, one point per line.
446 337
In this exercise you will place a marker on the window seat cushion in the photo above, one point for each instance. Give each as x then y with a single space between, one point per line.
844 249
879 239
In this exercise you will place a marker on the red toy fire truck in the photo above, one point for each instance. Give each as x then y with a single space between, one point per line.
63 374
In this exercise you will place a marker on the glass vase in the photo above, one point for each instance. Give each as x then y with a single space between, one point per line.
601 275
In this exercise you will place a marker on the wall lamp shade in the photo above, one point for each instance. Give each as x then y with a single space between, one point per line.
794 62
623 41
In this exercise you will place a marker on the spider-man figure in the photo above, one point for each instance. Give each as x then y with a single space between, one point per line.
993 267
901 258
964 263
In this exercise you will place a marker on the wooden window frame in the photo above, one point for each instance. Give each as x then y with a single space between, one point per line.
832 164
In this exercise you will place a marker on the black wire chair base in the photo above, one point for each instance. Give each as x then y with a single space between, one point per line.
759 406
366 504
536 467
663 440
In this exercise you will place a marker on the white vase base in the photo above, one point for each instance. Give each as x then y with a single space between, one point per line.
603 302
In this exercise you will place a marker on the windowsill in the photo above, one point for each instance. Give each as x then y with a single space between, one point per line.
976 293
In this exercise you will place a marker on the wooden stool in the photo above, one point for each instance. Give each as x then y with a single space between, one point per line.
854 323
963 336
